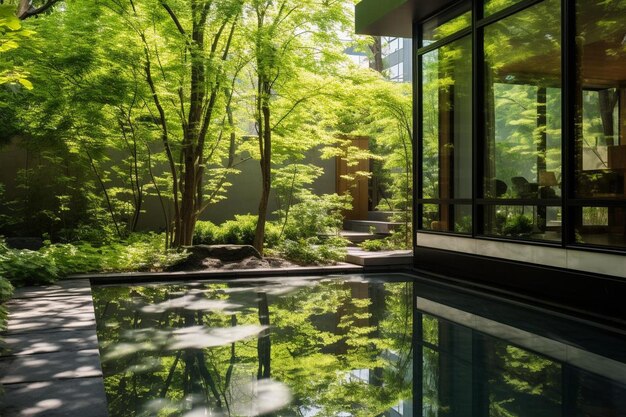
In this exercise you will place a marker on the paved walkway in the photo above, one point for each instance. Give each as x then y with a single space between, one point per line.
51 365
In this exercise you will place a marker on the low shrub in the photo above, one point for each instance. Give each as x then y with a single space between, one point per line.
397 240
374 245
140 252
239 231
316 215
26 267
519 225
205 233
311 252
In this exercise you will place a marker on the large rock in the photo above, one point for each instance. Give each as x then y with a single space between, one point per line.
213 256
225 253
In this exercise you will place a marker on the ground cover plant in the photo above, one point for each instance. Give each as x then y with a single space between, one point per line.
139 252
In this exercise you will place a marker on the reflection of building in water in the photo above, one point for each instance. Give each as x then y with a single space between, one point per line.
521 142
477 366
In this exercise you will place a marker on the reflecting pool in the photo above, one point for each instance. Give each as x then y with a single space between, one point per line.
373 345
301 347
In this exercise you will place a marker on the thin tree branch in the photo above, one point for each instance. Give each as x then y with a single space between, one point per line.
27 10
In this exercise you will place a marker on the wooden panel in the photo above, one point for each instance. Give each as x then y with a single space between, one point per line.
357 188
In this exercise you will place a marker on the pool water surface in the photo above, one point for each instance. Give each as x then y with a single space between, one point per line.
345 346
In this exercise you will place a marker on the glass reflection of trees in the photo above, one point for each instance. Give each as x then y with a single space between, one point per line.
306 348
446 132
519 122
601 122
522 154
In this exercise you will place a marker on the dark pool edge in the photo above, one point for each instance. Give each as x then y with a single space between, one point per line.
540 306
144 277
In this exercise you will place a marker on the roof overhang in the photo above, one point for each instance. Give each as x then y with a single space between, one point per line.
394 17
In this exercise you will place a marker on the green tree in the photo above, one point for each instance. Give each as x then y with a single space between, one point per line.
199 39
12 34
291 39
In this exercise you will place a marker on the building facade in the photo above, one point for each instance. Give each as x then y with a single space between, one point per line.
397 58
520 119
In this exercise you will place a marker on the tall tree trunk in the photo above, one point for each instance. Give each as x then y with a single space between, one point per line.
192 131
265 146
376 48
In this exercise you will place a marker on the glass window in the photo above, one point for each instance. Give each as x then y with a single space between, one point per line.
494 6
430 329
391 45
600 140
396 72
525 222
446 24
447 121
522 117
601 226
447 218
523 105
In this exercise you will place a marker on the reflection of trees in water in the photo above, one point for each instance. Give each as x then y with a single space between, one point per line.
147 373
522 381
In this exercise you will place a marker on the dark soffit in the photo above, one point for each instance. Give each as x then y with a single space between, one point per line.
393 17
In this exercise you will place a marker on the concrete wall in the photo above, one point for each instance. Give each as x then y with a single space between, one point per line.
242 197
12 159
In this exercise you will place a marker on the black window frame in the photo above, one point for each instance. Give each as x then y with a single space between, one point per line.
568 202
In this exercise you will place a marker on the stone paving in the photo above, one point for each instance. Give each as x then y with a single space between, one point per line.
50 365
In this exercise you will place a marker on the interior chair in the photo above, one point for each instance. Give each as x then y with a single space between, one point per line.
522 188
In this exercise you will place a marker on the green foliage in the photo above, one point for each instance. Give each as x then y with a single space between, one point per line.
311 252
463 225
315 215
205 233
27 267
518 225
115 110
239 231
6 291
11 35
374 245
139 252
397 240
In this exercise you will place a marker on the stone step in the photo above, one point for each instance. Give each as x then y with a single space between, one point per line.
361 257
368 226
359 237
380 216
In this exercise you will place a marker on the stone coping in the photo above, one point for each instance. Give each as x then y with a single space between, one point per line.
50 365
358 261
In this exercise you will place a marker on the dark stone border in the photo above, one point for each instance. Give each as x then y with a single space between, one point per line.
593 297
